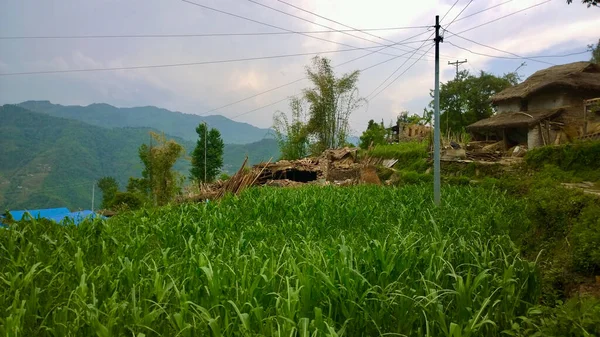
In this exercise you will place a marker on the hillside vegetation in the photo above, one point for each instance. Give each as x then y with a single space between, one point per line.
170 122
53 162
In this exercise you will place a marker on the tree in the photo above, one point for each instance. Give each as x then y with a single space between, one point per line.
331 101
109 188
589 3
158 177
595 52
404 117
214 154
374 134
466 99
291 136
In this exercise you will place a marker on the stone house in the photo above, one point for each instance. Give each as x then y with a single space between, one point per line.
549 107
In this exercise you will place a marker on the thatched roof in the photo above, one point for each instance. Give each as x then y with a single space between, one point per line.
578 76
514 119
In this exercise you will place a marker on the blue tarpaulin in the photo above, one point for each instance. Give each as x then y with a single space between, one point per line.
39 213
58 215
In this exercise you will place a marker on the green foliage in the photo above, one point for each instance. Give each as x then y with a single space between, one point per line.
292 136
409 154
109 187
586 240
158 174
358 261
224 176
56 161
127 201
595 52
374 135
331 101
213 144
583 158
466 99
578 317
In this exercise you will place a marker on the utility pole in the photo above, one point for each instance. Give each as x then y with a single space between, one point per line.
436 130
93 194
456 64
205 136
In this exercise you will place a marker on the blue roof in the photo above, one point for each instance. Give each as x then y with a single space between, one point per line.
75 217
55 214
40 213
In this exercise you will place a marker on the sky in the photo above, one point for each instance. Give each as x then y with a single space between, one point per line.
550 29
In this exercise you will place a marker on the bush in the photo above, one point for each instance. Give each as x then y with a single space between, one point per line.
127 200
577 317
553 210
224 176
412 177
583 156
586 241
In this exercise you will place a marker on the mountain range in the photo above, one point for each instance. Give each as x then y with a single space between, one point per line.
170 122
51 155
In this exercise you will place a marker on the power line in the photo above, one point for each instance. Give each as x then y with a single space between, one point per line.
171 65
303 78
352 28
496 49
449 10
397 77
134 36
270 25
483 10
320 25
533 58
500 18
284 99
456 17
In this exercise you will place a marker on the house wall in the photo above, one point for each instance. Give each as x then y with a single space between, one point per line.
549 100
509 106
534 139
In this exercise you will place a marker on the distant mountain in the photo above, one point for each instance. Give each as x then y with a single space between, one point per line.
47 161
173 123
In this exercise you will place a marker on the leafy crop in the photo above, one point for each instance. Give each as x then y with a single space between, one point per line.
360 261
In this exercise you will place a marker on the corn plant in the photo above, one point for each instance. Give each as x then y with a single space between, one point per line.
314 261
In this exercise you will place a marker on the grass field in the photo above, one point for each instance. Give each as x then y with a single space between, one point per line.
359 261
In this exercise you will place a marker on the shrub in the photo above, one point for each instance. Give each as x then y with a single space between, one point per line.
127 200
577 156
586 241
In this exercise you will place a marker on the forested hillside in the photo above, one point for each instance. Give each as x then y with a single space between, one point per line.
47 161
171 122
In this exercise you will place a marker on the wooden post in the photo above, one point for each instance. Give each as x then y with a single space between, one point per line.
541 130
548 132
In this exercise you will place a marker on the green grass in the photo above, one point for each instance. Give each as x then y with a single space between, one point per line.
360 261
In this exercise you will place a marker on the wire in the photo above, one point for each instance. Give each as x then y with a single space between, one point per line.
443 17
303 78
456 17
318 24
347 26
397 77
483 10
40 37
521 58
500 18
270 25
179 64
496 49
281 100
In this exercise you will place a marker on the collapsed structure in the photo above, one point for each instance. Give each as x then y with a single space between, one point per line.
552 106
335 166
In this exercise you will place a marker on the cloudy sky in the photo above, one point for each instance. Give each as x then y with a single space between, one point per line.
552 28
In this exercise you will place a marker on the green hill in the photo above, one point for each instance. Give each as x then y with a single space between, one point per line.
173 123
47 161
